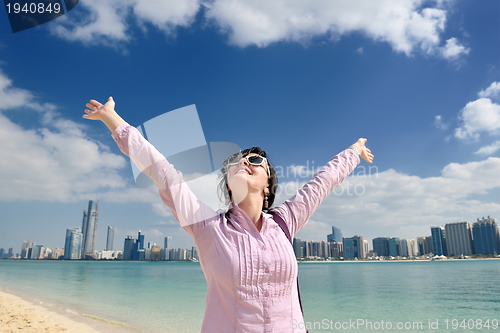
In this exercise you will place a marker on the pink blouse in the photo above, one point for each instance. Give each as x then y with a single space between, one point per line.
251 275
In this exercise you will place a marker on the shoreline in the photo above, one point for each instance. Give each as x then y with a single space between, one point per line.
395 260
19 312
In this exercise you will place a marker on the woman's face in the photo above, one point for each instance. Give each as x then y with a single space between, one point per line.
245 178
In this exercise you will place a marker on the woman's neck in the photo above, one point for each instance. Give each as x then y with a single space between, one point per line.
252 206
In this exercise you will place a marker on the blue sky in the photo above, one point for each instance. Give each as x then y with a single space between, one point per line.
419 79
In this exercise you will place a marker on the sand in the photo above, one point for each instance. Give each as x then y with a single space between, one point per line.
21 315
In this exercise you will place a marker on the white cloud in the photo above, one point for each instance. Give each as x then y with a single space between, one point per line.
453 50
490 149
55 162
105 22
390 203
438 122
478 116
491 92
50 165
404 24
166 15
13 97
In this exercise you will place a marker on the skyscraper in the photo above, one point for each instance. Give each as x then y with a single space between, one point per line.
128 248
111 238
139 252
168 242
393 246
73 244
424 245
89 230
140 240
438 235
407 247
381 246
459 238
25 250
486 236
335 236
354 247
298 248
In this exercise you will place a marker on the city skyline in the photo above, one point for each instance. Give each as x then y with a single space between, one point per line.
358 246
419 79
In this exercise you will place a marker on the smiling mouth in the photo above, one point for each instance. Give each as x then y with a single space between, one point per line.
243 171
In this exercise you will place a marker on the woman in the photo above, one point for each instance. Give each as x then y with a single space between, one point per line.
249 265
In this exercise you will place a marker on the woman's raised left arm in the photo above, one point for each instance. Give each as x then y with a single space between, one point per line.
298 209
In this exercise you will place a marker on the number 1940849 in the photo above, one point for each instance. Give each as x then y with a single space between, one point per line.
471 324
33 8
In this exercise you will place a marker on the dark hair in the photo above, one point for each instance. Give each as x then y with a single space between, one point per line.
272 181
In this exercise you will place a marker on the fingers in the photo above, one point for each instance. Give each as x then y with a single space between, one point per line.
92 106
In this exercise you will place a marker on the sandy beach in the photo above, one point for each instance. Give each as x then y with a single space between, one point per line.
21 315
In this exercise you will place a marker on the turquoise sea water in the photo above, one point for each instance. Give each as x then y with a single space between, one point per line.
454 296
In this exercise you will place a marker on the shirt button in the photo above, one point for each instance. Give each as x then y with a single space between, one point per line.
266 270
268 320
266 294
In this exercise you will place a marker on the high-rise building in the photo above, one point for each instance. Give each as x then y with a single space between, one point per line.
89 230
139 251
354 247
335 236
154 253
381 246
168 242
459 238
110 238
335 250
26 249
298 248
424 245
36 252
439 247
194 253
393 246
486 236
128 248
407 247
73 244
140 240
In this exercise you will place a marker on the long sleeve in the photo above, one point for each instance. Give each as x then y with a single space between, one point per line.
174 191
297 210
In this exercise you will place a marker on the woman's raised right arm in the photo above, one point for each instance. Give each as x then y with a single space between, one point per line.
174 191
103 112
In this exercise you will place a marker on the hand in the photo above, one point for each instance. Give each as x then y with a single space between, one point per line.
364 152
97 111
103 112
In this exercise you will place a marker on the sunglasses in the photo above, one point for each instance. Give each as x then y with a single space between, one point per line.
251 159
